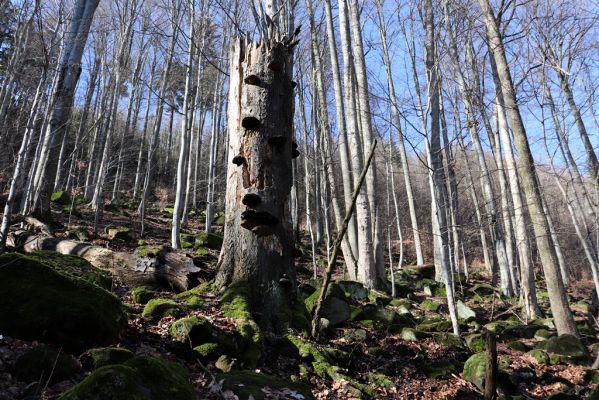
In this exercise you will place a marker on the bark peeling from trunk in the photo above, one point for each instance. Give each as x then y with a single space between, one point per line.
258 234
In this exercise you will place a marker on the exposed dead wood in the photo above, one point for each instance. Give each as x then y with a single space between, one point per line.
169 269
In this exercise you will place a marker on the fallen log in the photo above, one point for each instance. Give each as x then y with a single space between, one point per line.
167 268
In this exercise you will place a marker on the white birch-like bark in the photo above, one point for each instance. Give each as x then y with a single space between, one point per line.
558 299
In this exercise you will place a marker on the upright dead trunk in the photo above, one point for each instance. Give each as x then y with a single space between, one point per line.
558 299
257 252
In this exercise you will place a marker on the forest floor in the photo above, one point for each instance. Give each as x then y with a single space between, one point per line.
389 348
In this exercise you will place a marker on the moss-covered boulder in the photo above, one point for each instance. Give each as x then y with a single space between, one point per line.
354 290
208 351
43 363
140 378
160 308
421 271
196 329
411 334
568 347
517 345
474 369
122 234
521 331
543 334
142 294
38 302
430 305
61 198
334 308
540 356
475 342
209 240
434 325
74 266
102 356
148 251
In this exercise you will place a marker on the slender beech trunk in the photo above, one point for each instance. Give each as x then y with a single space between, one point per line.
400 136
184 154
62 97
435 163
558 299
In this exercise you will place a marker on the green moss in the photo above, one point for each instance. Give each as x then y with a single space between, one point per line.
187 237
195 329
430 305
74 266
235 305
474 369
141 294
235 302
103 356
195 302
567 346
202 251
541 356
381 380
219 219
41 303
248 384
61 197
140 378
208 351
160 308
147 251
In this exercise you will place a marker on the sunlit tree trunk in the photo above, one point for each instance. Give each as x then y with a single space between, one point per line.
562 315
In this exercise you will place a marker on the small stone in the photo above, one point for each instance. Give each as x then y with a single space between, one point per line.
464 312
225 363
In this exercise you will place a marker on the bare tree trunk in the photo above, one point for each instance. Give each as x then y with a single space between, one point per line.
435 163
346 167
184 154
555 287
400 136
257 252
62 98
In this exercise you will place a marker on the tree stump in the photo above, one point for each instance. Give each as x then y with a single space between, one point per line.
258 234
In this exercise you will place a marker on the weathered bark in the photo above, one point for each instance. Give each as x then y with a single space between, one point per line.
258 235
558 299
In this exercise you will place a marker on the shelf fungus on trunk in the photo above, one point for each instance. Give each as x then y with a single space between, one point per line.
258 235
